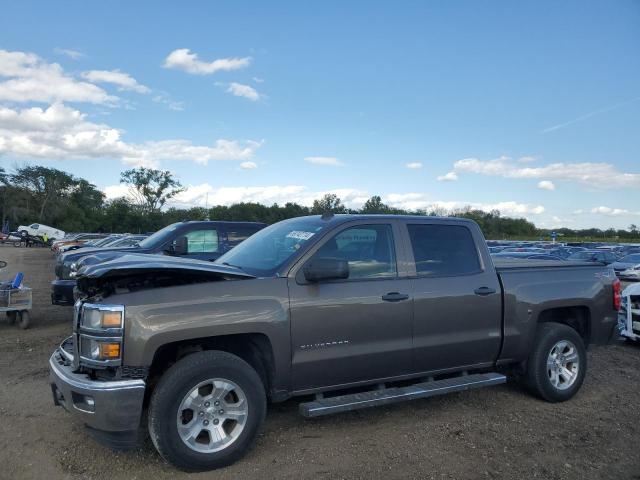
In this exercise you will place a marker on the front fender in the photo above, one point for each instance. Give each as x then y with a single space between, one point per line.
161 316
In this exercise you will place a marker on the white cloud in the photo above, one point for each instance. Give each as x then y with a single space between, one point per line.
527 159
67 52
31 79
248 165
123 80
449 177
65 133
414 165
593 175
246 91
420 201
258 79
330 161
546 185
183 59
613 212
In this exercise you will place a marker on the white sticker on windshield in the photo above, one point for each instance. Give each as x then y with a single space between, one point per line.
300 235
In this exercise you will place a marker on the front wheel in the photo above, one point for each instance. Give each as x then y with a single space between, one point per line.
206 411
557 364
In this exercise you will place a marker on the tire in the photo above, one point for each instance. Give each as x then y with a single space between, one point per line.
542 376
24 319
12 316
171 393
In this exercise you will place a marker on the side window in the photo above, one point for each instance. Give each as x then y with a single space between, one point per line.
202 241
368 249
443 250
237 235
35 226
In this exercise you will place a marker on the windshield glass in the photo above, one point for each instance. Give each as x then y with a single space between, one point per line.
159 237
265 252
635 258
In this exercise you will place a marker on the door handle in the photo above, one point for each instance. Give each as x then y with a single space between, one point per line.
394 297
484 291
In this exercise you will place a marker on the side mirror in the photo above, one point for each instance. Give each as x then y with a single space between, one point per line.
179 246
320 269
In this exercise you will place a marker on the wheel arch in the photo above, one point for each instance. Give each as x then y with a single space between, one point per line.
254 348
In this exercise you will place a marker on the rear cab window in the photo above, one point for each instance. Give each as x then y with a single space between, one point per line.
443 250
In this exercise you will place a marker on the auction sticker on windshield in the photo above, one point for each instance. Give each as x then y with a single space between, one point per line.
300 235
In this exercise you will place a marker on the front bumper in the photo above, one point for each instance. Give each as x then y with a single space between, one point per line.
107 406
62 292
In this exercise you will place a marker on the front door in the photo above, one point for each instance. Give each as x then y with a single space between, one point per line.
457 319
358 329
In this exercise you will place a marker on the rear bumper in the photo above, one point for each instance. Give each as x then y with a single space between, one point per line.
62 292
106 406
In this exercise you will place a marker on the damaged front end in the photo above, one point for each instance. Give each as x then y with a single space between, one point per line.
104 276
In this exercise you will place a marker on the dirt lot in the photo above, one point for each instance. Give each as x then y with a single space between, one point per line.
498 432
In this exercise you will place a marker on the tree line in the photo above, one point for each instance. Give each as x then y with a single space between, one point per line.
37 194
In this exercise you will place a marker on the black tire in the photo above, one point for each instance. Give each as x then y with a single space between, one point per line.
24 319
12 316
174 386
537 376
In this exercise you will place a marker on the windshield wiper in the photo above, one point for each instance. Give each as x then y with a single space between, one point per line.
234 266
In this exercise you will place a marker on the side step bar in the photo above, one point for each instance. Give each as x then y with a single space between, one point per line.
386 396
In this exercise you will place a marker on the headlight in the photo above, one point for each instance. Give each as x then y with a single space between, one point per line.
100 317
101 329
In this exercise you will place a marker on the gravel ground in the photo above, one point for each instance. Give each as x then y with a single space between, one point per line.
498 432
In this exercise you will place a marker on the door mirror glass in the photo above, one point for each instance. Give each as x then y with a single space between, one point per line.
320 269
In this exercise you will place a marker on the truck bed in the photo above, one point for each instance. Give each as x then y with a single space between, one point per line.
531 287
517 263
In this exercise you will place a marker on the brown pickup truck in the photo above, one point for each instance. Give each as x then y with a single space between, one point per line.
347 311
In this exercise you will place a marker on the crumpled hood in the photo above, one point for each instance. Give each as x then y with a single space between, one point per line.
128 265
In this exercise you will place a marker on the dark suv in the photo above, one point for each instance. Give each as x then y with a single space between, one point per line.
200 240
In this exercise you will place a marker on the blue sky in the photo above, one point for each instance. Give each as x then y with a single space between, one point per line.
530 108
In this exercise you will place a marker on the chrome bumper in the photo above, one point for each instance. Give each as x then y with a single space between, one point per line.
110 406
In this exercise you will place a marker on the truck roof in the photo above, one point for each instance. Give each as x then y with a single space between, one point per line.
347 217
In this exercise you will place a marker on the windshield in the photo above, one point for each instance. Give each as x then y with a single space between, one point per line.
160 237
635 258
265 252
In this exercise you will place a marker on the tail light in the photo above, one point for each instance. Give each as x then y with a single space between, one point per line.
617 294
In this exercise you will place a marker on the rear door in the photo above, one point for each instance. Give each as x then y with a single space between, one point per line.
457 318
358 329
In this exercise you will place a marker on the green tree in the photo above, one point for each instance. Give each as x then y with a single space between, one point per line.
328 203
150 188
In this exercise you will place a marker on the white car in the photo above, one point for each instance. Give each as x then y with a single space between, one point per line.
629 313
38 230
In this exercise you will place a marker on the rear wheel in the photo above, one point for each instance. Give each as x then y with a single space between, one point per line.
557 364
206 411
11 316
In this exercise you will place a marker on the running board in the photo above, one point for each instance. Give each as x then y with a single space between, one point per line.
386 396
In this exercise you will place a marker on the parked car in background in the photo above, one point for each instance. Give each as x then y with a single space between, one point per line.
629 313
79 241
594 256
628 268
39 230
201 240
